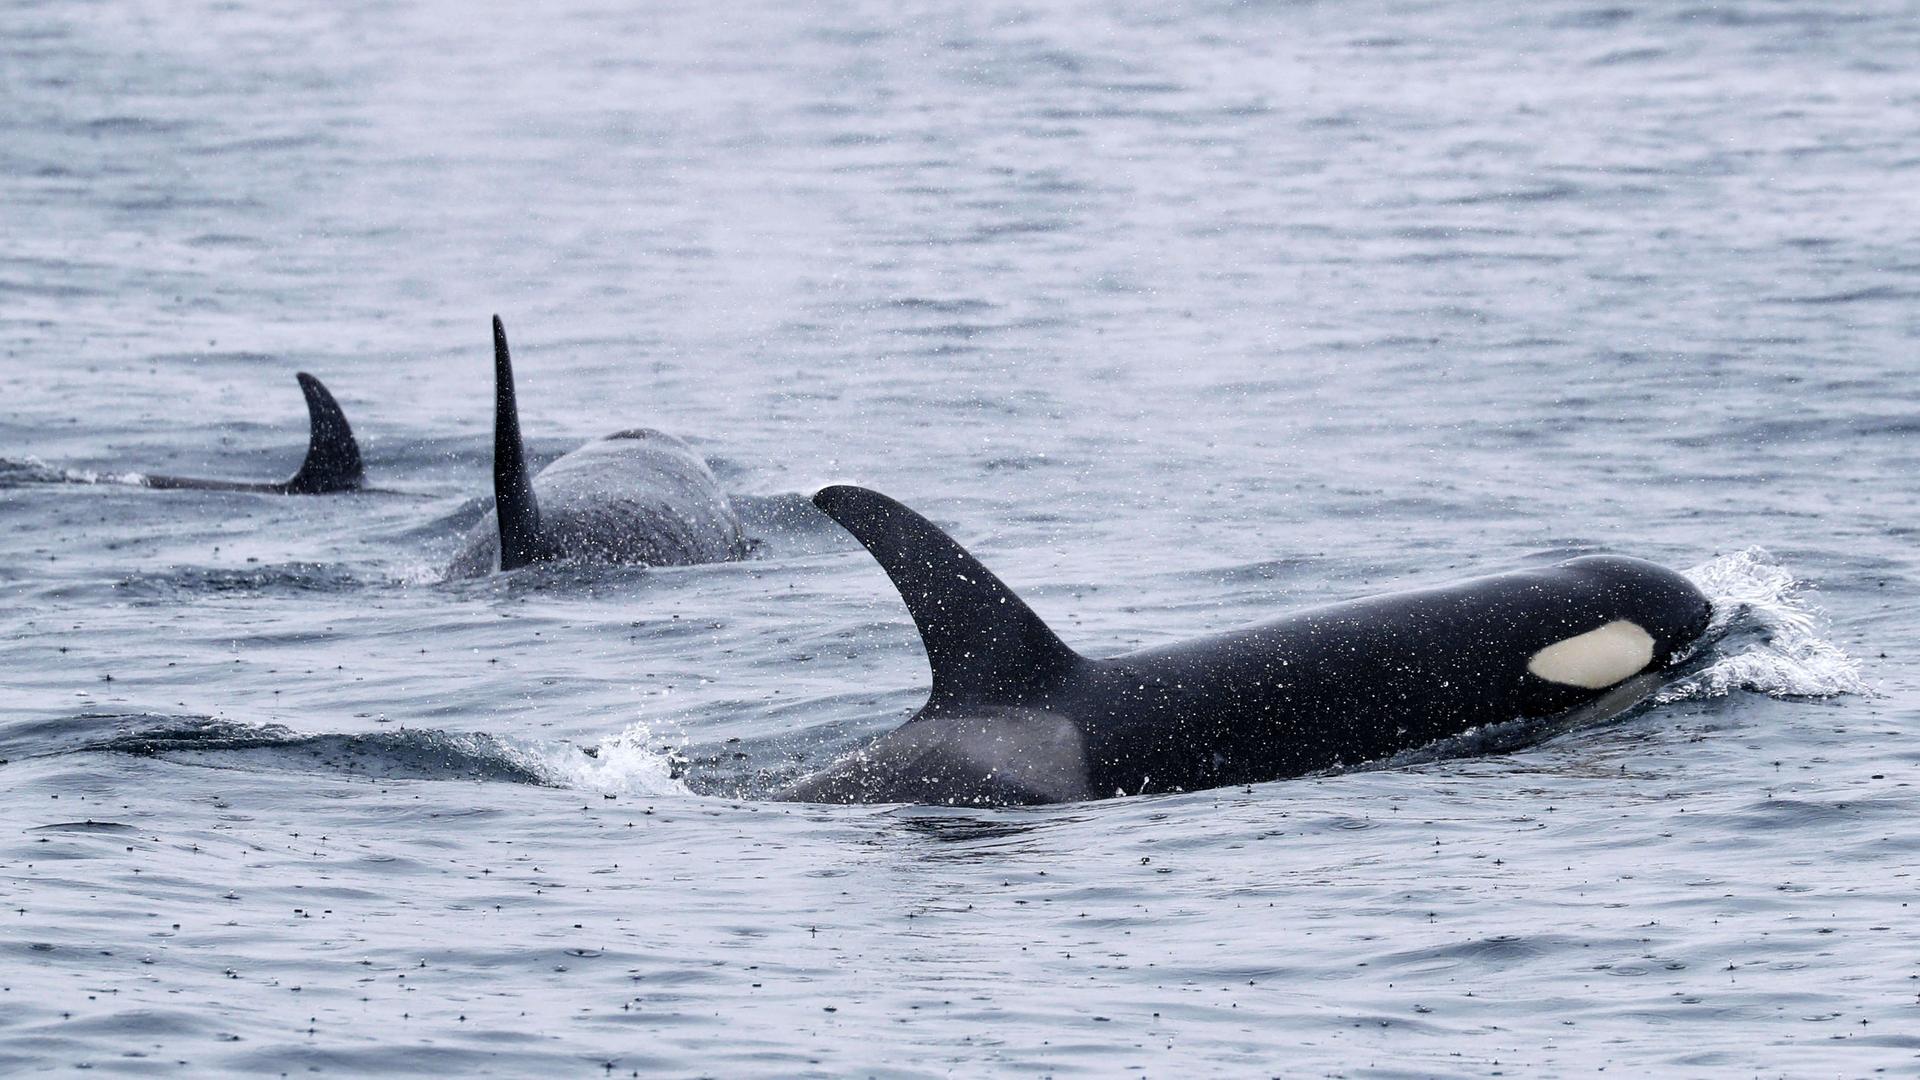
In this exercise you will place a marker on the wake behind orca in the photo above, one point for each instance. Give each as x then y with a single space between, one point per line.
634 497
1015 716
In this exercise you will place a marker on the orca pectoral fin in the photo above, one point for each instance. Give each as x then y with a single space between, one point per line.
333 458
513 500
985 645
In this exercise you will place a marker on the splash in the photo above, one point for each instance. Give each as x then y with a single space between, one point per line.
15 472
632 762
1767 635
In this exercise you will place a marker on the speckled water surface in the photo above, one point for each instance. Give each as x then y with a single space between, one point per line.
1179 316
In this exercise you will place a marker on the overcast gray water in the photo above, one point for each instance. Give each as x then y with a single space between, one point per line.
1179 317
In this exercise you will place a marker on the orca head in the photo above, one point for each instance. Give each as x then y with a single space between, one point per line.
1649 618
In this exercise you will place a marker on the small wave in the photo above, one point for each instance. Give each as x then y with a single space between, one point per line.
123 125
412 753
1550 191
578 578
942 306
1767 635
1018 463
455 522
280 578
1848 296
630 763
1620 57
87 826
15 472
788 525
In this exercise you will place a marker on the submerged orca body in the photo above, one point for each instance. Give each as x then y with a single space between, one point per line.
332 463
1015 716
637 497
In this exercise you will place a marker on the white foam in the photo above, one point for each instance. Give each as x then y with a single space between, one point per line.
1772 634
39 471
633 762
92 476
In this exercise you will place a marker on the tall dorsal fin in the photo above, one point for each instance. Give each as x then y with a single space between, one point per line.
333 458
512 487
983 642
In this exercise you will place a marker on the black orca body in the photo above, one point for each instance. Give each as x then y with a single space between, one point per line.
1015 716
638 497
332 463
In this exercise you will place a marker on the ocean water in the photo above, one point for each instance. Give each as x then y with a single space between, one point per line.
1179 315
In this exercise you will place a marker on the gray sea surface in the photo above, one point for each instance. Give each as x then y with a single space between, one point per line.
1180 315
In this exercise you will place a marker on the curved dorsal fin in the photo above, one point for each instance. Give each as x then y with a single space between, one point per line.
984 643
333 458
512 487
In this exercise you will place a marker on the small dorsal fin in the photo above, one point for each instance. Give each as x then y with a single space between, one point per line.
512 488
984 643
333 458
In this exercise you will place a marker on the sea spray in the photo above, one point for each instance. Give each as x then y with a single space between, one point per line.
1768 634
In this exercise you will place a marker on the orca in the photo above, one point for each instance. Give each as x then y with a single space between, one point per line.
332 463
1014 716
639 497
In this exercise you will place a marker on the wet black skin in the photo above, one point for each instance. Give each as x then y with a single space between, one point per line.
637 497
1015 716
513 500
332 463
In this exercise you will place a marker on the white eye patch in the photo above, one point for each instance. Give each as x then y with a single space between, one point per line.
1596 659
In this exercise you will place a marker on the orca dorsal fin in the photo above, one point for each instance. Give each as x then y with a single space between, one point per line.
333 458
512 488
985 645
